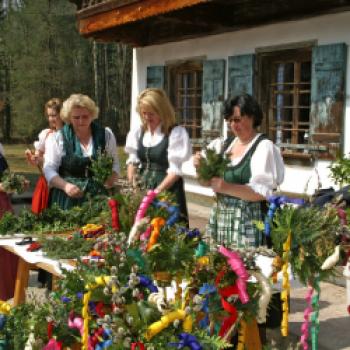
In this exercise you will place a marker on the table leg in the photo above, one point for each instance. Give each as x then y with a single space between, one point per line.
21 282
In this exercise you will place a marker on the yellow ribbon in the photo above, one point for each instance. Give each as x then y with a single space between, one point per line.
5 307
102 281
285 286
164 322
157 224
203 260
241 335
85 315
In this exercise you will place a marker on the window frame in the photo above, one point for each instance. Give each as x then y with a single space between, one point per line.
174 72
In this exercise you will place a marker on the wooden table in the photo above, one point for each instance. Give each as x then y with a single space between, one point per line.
23 268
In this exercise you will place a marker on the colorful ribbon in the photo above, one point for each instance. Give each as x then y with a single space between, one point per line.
147 283
76 323
232 311
201 249
315 323
187 340
137 345
241 335
206 290
85 315
305 326
53 344
164 322
237 265
157 224
285 286
145 203
276 202
173 210
5 307
3 319
106 340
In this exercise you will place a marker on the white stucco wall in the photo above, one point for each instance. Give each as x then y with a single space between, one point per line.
325 29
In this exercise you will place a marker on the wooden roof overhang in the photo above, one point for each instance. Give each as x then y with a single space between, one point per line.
150 22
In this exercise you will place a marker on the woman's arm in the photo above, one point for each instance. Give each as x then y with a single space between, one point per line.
111 149
167 182
52 162
243 192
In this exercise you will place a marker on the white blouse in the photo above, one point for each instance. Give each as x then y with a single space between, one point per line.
266 166
39 145
179 148
55 152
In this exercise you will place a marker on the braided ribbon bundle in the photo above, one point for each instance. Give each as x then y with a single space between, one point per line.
305 325
285 286
165 321
157 224
315 323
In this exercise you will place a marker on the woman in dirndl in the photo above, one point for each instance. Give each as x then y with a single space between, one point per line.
255 169
8 261
70 151
159 147
41 192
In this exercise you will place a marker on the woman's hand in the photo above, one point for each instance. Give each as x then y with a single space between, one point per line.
73 191
196 159
218 185
111 181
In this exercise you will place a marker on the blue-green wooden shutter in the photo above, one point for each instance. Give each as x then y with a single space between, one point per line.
241 75
328 95
213 96
155 77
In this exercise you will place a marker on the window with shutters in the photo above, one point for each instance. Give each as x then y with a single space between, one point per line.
287 100
302 95
185 91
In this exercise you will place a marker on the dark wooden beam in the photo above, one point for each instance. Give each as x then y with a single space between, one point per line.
131 13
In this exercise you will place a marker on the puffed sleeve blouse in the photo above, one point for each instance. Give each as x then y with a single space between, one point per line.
55 152
39 145
179 148
266 165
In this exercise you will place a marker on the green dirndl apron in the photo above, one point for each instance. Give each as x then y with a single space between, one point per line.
232 219
154 165
75 167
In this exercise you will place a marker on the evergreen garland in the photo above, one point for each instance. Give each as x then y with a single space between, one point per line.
214 164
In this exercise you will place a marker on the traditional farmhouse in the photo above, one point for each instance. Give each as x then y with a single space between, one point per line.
291 55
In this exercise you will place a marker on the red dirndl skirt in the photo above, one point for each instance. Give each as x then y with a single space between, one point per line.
8 261
40 196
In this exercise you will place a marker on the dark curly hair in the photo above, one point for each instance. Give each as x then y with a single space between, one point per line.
248 106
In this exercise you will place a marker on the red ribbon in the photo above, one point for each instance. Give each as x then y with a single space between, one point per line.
224 293
113 204
137 345
49 329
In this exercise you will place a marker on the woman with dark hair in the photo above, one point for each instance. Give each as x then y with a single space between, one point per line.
255 169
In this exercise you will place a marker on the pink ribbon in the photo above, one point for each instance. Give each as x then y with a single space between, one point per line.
237 265
76 323
53 344
145 203
305 325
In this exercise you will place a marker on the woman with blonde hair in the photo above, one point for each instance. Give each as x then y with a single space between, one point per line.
158 147
69 154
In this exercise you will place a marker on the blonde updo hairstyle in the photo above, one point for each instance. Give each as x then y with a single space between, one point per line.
159 102
78 101
55 104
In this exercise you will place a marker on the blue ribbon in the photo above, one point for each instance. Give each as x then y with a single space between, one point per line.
107 340
173 210
147 282
188 340
275 203
206 290
3 319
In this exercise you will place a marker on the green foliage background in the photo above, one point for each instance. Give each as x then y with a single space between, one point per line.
44 56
